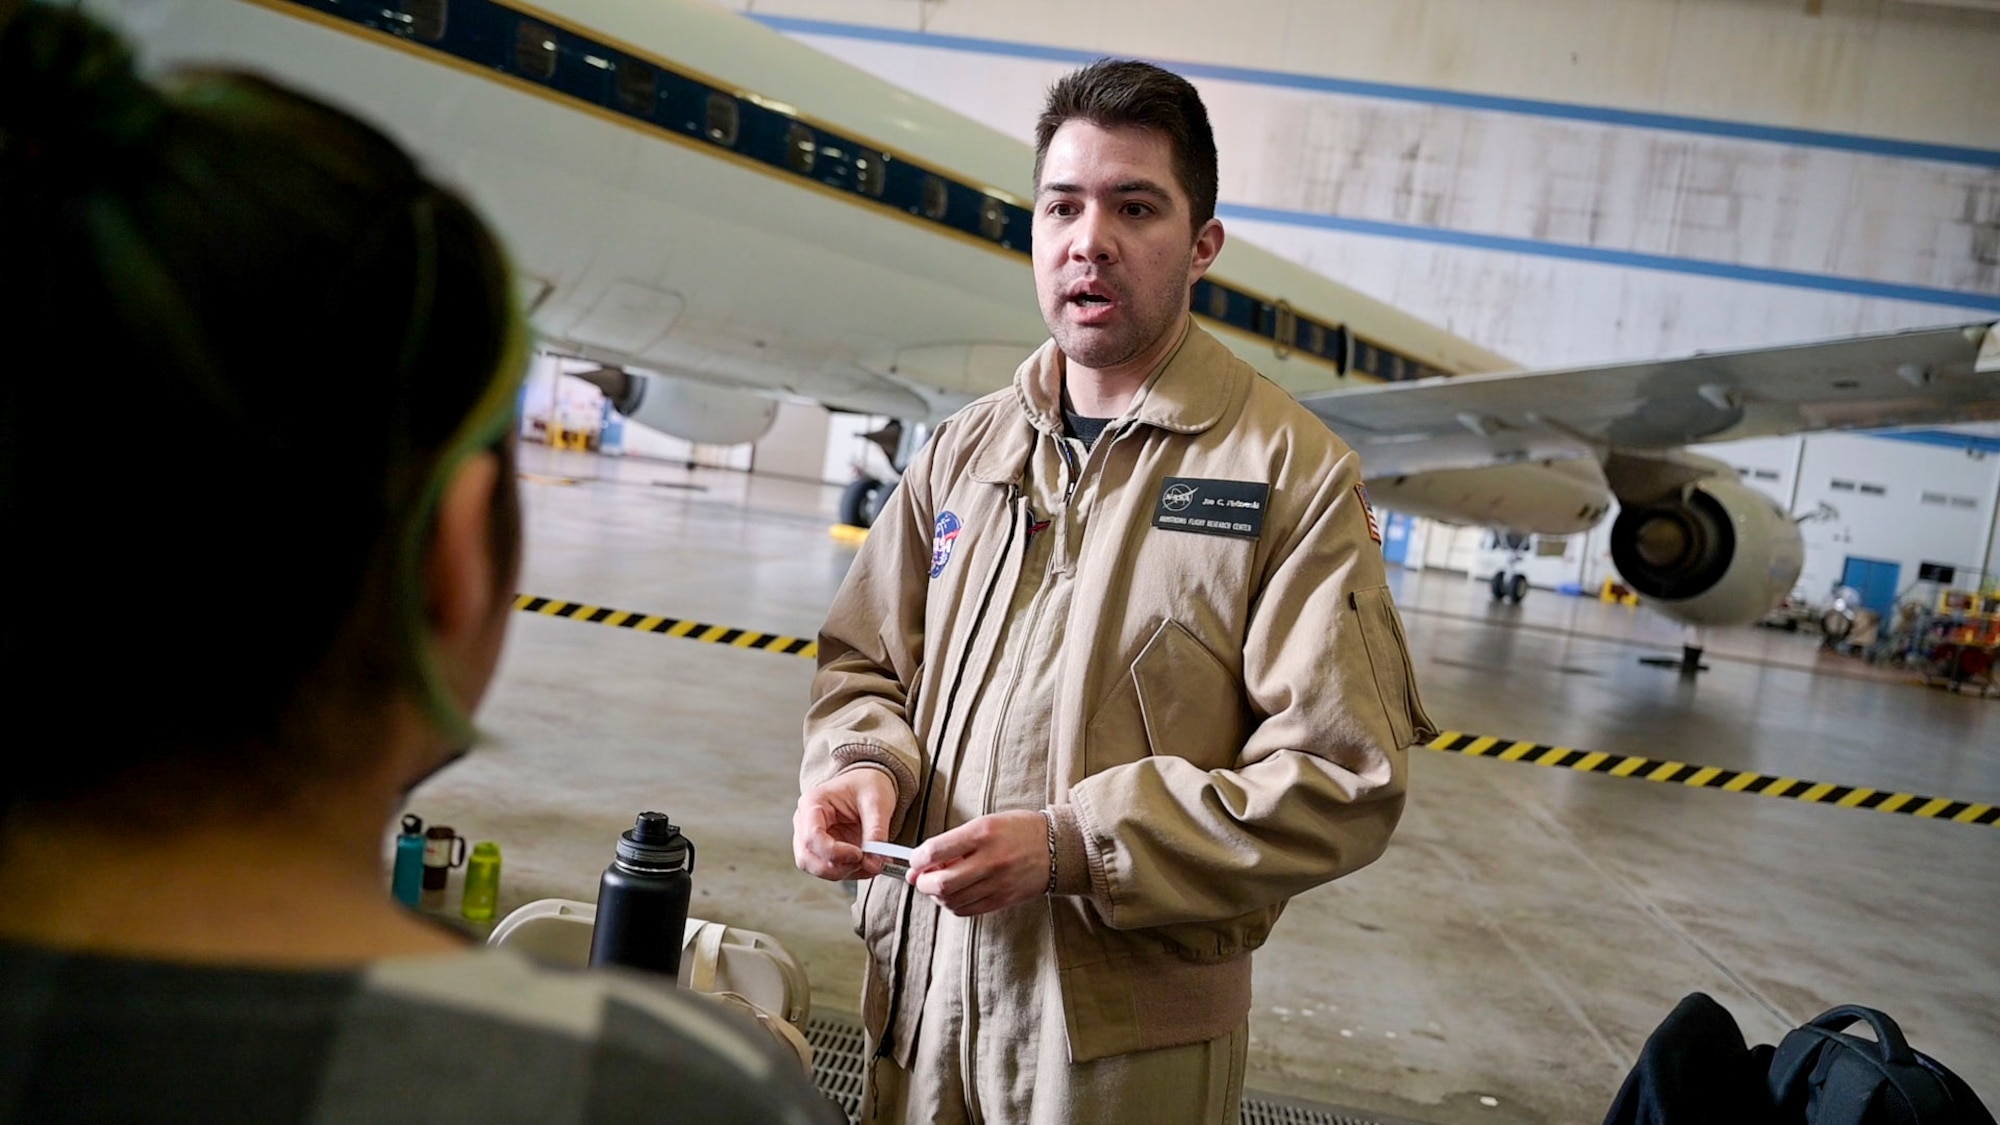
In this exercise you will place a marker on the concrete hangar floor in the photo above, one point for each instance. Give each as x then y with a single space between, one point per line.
1505 960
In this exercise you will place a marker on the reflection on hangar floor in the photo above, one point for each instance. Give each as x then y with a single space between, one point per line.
1524 934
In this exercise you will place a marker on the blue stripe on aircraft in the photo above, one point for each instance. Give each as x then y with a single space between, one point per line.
651 93
1567 111
1946 438
1829 283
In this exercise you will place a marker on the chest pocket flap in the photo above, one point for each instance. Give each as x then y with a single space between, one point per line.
1193 706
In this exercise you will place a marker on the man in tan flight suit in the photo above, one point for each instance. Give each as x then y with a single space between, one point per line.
1118 660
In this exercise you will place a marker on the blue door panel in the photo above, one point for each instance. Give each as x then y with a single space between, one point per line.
1875 580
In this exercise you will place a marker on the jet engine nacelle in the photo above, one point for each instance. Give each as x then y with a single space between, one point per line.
692 411
1716 553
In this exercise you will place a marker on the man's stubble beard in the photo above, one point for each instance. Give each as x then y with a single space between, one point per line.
1102 348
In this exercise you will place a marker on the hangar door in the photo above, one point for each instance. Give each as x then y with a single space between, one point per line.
1875 580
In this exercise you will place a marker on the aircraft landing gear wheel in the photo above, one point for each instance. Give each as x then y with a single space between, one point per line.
862 501
1499 585
1517 589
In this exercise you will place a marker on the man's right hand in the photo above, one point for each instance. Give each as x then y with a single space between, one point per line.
836 817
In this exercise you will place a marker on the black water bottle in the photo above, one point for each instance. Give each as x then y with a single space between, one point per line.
642 901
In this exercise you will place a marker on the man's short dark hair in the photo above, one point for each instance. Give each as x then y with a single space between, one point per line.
1122 93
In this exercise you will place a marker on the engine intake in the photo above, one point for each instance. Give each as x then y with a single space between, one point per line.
1717 554
1677 551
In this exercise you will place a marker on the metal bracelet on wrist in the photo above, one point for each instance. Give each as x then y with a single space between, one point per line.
1051 818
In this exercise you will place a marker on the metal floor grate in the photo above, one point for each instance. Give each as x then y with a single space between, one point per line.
838 1048
1270 1109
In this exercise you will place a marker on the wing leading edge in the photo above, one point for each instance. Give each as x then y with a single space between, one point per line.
1921 377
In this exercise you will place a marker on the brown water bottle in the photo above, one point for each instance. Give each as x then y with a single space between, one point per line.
443 850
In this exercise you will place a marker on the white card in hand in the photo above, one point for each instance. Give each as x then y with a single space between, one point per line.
898 857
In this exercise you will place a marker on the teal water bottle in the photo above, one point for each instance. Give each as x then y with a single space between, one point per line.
482 883
408 880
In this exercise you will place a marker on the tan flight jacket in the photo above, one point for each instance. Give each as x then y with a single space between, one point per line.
1232 715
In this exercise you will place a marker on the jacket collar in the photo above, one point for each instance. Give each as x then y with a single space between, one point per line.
1187 394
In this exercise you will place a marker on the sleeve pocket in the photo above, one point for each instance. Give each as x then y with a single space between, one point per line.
1389 658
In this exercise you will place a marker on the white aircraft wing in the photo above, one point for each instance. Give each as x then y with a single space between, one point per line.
1922 377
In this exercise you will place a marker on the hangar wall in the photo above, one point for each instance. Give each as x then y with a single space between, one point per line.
1900 68
1566 181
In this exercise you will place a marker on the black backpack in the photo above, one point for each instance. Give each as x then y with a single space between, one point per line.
1697 1070
1823 1076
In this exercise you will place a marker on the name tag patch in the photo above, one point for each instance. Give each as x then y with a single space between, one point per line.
1212 507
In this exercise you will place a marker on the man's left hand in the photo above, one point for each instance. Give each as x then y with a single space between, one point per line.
992 863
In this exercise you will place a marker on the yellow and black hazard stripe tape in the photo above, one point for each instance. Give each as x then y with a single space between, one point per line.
667 626
1712 777
1455 742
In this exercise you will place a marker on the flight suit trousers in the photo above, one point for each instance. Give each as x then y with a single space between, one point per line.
993 1051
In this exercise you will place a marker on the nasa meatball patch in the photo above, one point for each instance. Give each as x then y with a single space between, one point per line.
944 537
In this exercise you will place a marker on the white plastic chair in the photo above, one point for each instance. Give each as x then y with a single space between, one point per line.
715 958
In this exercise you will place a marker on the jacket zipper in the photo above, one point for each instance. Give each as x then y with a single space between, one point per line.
930 775
972 1011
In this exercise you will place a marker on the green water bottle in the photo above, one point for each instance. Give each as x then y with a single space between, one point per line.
482 883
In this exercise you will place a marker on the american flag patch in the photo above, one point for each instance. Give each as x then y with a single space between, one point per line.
1374 529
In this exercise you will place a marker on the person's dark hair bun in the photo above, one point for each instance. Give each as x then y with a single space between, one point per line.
71 100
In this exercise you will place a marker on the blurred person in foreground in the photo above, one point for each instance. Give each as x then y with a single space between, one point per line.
256 461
